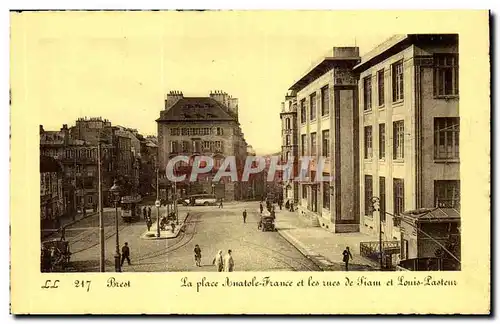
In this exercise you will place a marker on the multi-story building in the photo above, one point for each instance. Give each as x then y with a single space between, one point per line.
289 145
328 127
52 204
408 128
206 126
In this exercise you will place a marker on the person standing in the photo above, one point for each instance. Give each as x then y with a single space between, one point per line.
245 216
144 212
228 262
261 208
197 255
287 205
218 261
346 257
149 212
220 204
125 253
291 207
149 223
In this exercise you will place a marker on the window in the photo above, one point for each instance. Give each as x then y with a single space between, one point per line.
313 144
303 111
218 146
312 98
447 193
325 101
220 131
446 75
185 146
287 123
326 142
303 144
380 85
446 138
197 146
206 145
381 141
368 142
368 195
398 140
382 198
174 131
326 194
287 140
304 192
397 81
399 199
367 93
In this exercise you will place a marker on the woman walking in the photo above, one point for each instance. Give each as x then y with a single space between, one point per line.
197 255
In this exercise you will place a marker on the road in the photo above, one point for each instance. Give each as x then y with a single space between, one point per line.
210 227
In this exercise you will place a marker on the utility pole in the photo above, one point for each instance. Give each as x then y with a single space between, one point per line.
157 202
75 195
101 220
175 204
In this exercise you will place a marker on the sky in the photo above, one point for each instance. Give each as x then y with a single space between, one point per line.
120 65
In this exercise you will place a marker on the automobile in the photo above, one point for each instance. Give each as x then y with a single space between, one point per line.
266 223
200 200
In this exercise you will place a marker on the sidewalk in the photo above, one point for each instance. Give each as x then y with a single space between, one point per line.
322 247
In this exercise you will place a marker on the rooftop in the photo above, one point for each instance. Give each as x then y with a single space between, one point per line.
196 109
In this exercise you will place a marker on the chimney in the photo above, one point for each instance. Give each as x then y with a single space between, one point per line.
172 98
218 96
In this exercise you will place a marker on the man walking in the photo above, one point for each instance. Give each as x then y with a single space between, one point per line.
220 204
245 216
149 212
218 261
228 262
125 253
144 213
261 208
149 223
346 256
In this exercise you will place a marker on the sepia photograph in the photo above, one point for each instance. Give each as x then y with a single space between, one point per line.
238 141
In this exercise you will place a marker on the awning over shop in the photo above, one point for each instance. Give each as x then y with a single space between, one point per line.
433 214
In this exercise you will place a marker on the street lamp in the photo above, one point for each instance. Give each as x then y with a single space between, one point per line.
115 190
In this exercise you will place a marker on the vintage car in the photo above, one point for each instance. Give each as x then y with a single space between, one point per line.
266 223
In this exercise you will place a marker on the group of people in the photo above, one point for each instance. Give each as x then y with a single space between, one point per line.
221 262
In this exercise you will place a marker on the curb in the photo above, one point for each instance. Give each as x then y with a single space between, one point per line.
314 257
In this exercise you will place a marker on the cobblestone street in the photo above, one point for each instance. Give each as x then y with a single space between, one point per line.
210 227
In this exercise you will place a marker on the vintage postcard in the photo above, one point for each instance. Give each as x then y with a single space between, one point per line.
250 162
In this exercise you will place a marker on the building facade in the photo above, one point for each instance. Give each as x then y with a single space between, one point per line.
409 128
52 203
289 145
208 126
328 119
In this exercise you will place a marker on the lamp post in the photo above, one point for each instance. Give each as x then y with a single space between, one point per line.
116 192
175 204
376 207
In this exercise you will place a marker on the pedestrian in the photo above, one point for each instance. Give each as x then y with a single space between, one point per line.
220 204
197 255
287 205
218 261
125 253
261 208
346 256
291 206
280 204
149 223
144 213
245 216
173 226
228 262
149 212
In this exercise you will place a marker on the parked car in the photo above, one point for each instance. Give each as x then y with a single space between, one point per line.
201 200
